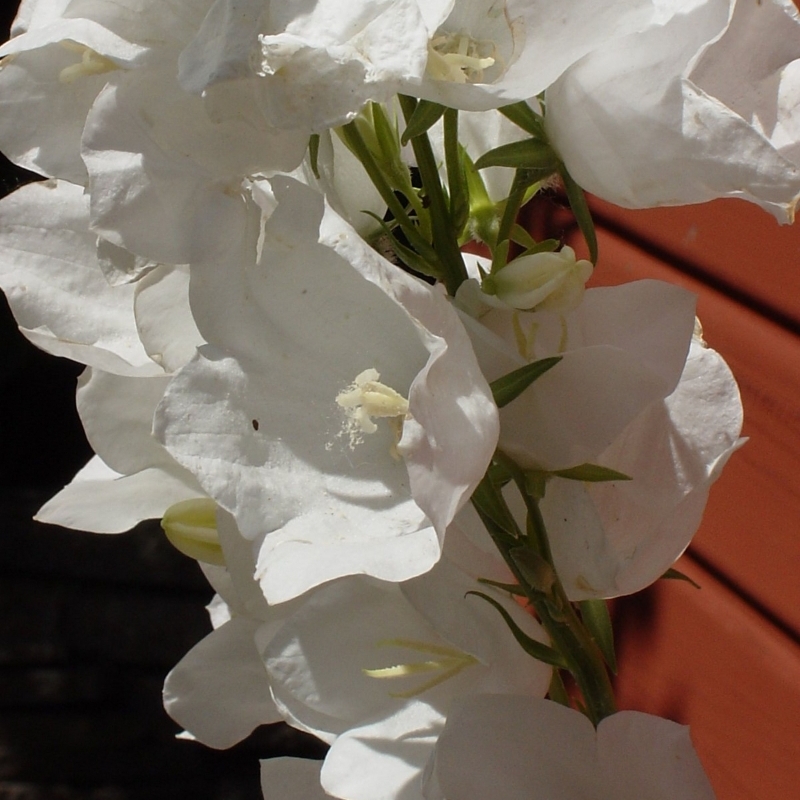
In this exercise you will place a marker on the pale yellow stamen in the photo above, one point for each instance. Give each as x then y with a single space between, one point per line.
91 63
459 58
366 398
448 663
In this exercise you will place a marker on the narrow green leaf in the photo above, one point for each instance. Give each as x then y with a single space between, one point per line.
677 575
580 208
545 246
522 237
456 173
522 115
426 114
591 473
530 154
313 153
511 588
409 257
489 503
510 386
557 691
541 652
597 620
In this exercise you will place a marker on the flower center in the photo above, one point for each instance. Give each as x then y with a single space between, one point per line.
91 63
366 398
448 662
459 58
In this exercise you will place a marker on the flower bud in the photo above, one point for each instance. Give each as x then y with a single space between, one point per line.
191 527
541 281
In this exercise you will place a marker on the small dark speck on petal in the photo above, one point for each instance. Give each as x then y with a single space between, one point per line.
255 424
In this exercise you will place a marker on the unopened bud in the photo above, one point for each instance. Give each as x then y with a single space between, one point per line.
191 527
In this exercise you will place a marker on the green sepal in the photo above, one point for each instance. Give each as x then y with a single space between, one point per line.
313 153
522 237
536 483
523 116
426 114
483 214
595 616
591 473
537 571
541 652
545 246
676 575
511 386
580 208
511 588
533 155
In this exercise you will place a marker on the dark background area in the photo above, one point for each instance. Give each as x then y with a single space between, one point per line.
91 624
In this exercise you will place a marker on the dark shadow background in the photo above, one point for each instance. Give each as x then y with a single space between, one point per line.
90 624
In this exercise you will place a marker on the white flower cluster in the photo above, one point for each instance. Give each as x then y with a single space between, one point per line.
376 446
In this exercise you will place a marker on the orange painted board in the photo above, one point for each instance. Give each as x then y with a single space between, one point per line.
705 658
751 530
730 240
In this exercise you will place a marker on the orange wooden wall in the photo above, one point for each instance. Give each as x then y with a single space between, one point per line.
726 659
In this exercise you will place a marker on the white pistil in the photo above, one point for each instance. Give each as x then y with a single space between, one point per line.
448 663
459 58
91 63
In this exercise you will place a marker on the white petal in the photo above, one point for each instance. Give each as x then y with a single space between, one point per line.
56 289
219 691
296 778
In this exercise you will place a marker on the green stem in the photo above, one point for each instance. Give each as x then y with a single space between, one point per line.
445 241
522 181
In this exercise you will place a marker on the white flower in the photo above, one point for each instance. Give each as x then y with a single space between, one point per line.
626 395
295 778
501 746
374 668
697 107
294 313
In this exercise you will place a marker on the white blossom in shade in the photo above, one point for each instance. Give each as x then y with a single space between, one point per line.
623 348
219 691
50 273
312 67
666 418
488 53
616 538
294 312
132 477
375 667
501 746
296 778
699 106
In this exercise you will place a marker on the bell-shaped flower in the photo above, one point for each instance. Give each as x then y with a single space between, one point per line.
307 329
501 746
132 477
696 107
487 54
375 667
55 283
626 395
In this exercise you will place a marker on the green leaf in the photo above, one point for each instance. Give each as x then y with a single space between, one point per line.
580 208
313 153
405 254
545 246
677 575
530 154
491 506
557 691
457 184
511 386
522 115
591 473
522 237
541 652
597 620
426 114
